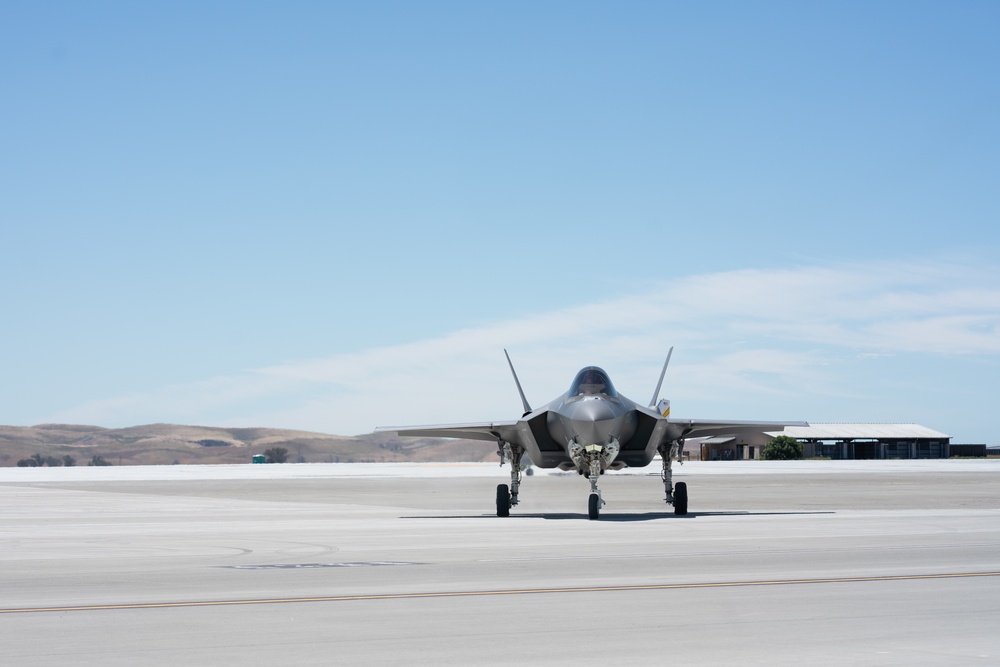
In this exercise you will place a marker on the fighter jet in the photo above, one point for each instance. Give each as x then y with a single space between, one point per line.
590 429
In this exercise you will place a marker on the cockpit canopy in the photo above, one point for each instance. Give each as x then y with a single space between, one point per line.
592 381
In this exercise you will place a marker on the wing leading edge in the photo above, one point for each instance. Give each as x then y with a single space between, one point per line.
491 431
697 428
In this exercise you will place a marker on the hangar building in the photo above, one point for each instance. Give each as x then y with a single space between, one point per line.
838 441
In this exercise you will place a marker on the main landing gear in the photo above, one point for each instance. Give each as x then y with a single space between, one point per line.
591 460
677 494
507 496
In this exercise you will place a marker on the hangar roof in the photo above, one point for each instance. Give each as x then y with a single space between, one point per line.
719 440
861 432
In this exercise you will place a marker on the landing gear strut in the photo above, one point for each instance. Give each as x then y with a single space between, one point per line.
595 502
676 494
507 497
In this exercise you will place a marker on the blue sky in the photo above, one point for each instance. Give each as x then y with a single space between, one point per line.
335 216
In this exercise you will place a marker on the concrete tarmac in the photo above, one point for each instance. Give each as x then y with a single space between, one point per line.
865 563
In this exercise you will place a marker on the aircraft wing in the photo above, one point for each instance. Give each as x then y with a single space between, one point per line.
491 431
699 428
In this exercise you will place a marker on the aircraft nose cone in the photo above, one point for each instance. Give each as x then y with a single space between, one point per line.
592 409
591 420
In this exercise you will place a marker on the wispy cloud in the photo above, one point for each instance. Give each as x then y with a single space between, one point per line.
741 336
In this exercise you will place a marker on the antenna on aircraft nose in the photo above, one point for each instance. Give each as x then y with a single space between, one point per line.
656 394
524 401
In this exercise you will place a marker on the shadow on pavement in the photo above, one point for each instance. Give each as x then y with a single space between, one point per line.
615 518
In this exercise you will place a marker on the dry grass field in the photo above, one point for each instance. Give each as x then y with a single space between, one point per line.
165 444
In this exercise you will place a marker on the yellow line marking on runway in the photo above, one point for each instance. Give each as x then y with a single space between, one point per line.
523 591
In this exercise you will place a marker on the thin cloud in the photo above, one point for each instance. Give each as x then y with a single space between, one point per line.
739 334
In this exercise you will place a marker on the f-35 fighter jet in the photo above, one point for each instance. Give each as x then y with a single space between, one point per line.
590 429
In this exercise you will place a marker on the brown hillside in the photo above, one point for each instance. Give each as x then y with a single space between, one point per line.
160 444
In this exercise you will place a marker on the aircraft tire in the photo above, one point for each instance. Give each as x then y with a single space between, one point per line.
503 500
680 498
594 506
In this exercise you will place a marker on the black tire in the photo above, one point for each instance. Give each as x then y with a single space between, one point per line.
594 506
503 500
680 498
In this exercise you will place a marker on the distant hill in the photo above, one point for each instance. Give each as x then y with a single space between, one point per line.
164 444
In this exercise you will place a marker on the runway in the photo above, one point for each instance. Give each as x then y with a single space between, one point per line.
873 563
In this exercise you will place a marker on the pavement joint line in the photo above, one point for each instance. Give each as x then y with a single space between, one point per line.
526 591
689 554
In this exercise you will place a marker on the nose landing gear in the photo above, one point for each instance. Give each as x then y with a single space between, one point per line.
593 460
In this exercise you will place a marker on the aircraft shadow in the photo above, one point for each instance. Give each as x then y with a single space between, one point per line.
617 518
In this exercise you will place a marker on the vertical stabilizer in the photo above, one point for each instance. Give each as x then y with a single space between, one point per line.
656 394
524 401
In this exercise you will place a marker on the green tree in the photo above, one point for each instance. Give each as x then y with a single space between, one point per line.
68 461
276 454
782 448
36 460
99 461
